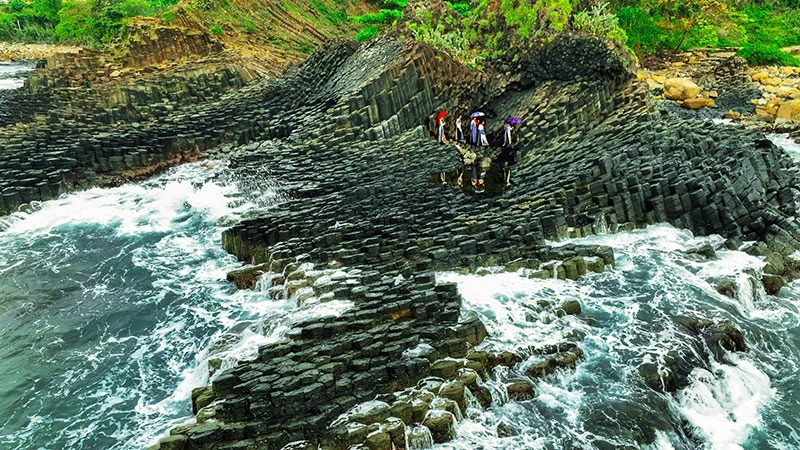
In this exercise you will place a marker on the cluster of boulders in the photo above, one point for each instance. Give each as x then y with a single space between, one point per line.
14 51
780 100
760 97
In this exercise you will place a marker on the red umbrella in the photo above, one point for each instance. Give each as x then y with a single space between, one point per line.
439 116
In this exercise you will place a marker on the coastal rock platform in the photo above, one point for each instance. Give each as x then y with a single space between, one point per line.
347 137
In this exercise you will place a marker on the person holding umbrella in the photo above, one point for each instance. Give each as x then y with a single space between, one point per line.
474 127
510 122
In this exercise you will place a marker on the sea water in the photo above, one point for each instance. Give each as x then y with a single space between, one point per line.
113 301
13 74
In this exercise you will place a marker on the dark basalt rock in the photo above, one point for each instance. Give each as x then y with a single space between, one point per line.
346 132
672 372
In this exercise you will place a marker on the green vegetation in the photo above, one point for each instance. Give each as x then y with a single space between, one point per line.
384 17
760 55
91 22
375 22
216 30
367 34
599 21
760 28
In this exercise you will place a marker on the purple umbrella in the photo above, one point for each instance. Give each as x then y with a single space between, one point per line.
477 114
514 120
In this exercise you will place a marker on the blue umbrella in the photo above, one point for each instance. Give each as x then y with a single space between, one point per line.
477 114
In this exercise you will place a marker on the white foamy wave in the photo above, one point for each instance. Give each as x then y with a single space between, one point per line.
160 205
725 405
783 140
632 314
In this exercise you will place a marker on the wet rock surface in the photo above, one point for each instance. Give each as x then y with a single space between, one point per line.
703 339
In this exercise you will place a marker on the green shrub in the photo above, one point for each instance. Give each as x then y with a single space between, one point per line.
216 29
641 29
760 55
395 4
367 34
79 24
384 16
333 17
15 6
134 8
168 16
462 8
599 21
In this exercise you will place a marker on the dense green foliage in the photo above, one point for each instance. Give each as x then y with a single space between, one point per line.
367 34
759 27
91 22
388 15
760 55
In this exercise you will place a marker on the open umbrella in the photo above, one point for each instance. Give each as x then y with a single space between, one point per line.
514 120
440 115
477 114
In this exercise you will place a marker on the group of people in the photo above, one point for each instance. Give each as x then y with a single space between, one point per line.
477 137
477 128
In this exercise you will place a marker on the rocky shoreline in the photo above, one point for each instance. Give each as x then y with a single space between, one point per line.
13 51
346 134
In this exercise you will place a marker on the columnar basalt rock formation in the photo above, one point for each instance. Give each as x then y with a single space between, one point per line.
346 135
357 170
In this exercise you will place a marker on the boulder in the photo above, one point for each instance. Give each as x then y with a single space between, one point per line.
454 390
732 115
431 384
673 374
370 412
396 429
788 111
174 442
482 394
773 283
571 307
202 397
724 336
680 89
520 390
300 445
698 102
442 425
378 440
445 368
247 277
727 288
759 77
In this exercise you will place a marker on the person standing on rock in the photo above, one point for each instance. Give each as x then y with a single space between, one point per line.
459 131
441 137
482 134
507 135
473 128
